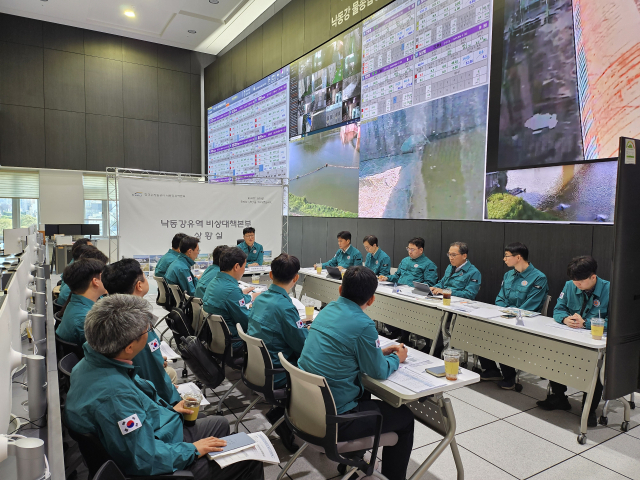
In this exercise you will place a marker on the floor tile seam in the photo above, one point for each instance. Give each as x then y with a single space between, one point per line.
564 448
484 459
604 466
553 466
471 404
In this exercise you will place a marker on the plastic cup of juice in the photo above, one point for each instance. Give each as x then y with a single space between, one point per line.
318 269
446 297
192 402
255 279
597 328
451 364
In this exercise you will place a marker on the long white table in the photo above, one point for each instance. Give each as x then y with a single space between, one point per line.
428 404
541 346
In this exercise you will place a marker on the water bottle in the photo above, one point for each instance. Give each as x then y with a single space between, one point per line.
519 320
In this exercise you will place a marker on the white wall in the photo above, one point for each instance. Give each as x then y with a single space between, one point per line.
61 196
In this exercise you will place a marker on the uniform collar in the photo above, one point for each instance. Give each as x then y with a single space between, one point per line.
276 289
597 290
187 259
347 251
463 268
377 254
98 360
526 271
226 277
418 258
348 303
173 252
83 300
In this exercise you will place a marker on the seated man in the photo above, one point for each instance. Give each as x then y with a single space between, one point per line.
167 259
126 277
84 280
461 277
584 297
76 244
346 256
211 271
342 344
179 272
76 253
414 268
523 287
139 431
223 295
275 319
377 261
253 249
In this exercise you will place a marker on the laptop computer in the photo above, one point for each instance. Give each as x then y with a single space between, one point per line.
334 272
423 289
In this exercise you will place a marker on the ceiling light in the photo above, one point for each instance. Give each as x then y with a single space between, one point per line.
191 31
215 2
130 13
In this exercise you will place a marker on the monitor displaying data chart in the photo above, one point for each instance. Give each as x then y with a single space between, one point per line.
247 134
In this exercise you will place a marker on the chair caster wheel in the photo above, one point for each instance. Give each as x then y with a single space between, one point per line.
582 439
632 405
518 387
624 426
604 420
185 374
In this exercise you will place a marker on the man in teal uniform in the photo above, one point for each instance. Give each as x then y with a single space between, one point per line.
223 295
584 297
253 250
179 272
140 431
127 278
461 277
167 259
84 279
523 287
414 268
342 344
76 253
211 271
346 256
377 261
76 244
275 319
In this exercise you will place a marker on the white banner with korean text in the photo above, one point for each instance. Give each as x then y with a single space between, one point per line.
151 212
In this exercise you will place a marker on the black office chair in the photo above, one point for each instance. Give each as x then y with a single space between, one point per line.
57 318
239 241
56 307
64 348
65 365
165 298
109 471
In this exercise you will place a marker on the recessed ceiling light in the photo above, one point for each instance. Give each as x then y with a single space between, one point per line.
191 31
215 2
130 13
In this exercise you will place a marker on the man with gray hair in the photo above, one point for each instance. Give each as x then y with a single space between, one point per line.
461 277
142 433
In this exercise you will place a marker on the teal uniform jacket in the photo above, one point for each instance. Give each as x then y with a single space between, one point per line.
163 264
254 253
345 259
379 262
63 296
527 290
141 433
179 273
223 297
343 344
150 365
572 298
464 283
411 270
62 273
71 329
208 275
276 321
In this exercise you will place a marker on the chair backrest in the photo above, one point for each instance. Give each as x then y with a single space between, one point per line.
198 313
64 348
93 453
57 318
310 401
162 291
66 363
177 293
545 306
221 336
239 241
258 360
109 471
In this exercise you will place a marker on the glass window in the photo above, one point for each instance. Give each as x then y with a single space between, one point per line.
28 212
93 213
6 214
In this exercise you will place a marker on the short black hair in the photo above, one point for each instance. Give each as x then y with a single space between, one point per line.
215 256
464 249
417 241
94 253
345 235
580 268
285 268
79 274
175 243
76 252
230 256
188 243
370 239
79 243
359 284
248 230
122 276
518 248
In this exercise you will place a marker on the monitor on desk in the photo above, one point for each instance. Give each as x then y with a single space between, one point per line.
90 229
70 229
51 230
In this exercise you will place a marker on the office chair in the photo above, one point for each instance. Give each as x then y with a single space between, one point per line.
239 241
545 306
164 298
64 348
311 415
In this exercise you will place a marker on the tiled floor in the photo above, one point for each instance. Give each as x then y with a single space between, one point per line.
501 435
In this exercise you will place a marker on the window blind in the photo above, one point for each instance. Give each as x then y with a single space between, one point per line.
95 187
19 184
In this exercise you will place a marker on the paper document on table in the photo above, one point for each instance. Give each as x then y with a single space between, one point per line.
459 308
168 352
486 312
298 304
415 362
562 326
385 342
524 313
414 381
190 387
261 451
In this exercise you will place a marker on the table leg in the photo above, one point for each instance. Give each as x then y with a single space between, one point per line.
434 343
582 438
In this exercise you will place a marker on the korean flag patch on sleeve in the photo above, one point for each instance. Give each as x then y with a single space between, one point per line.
241 302
377 343
300 324
562 295
189 279
129 424
154 345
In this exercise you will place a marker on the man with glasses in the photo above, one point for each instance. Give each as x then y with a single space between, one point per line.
461 277
254 251
140 431
414 268
525 287
377 261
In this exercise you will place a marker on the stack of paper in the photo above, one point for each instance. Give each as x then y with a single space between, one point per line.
261 451
168 352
